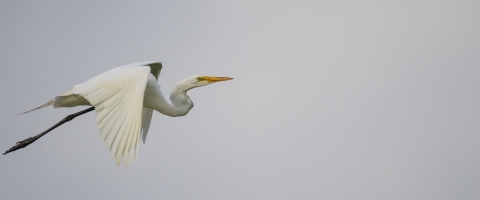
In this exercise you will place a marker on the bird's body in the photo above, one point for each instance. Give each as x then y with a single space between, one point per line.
124 99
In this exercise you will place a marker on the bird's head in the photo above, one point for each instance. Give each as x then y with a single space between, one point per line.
198 81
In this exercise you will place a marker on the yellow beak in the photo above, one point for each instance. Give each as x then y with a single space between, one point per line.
212 79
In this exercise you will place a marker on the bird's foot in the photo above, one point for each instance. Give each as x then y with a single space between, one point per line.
21 144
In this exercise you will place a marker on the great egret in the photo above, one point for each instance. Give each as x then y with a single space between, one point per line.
124 99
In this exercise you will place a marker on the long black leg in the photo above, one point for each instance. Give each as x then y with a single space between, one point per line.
30 140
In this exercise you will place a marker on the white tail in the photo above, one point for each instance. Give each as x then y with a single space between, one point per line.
53 102
49 103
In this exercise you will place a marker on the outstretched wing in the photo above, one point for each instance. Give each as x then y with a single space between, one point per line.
117 96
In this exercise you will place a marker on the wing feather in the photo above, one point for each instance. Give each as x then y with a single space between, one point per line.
127 146
121 142
133 145
112 134
117 96
116 142
146 119
102 120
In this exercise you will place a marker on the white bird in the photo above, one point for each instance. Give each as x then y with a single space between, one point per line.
124 99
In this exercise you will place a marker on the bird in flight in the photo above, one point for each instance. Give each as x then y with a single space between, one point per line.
124 99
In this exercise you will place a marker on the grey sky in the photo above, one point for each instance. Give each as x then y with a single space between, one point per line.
331 99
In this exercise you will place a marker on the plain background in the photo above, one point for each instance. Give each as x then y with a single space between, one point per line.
331 99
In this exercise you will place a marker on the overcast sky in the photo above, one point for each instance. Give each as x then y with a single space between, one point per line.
331 99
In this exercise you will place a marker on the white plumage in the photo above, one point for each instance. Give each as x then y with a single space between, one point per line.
124 99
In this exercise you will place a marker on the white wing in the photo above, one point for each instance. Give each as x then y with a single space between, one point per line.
146 119
155 67
117 96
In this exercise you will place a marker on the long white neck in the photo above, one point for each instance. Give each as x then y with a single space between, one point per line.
180 105
180 100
